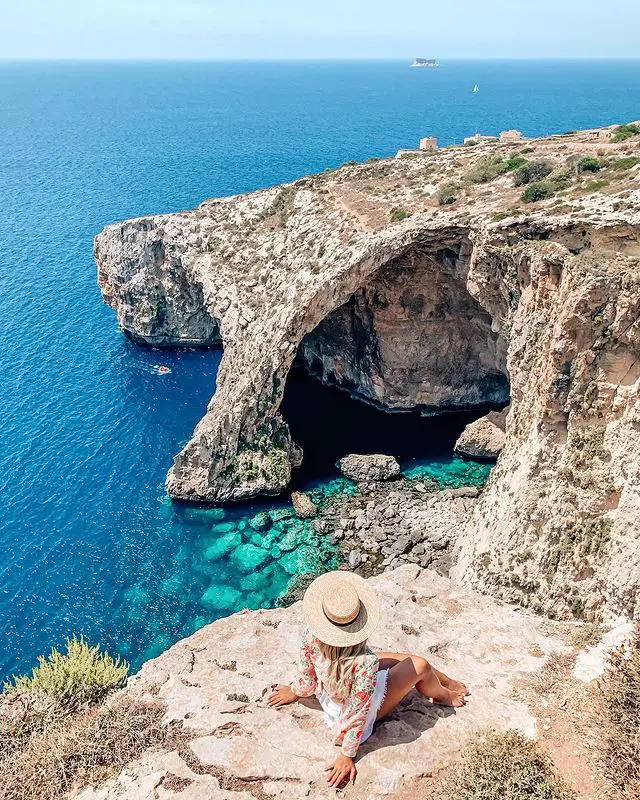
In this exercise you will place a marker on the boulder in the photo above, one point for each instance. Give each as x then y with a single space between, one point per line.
229 731
483 438
360 468
261 521
303 505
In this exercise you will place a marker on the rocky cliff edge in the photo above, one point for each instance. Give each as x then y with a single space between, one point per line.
214 685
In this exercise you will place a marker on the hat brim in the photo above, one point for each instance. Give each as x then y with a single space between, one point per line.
329 632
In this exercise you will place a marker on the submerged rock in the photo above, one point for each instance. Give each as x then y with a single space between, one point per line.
221 598
304 506
361 468
248 557
261 521
223 546
483 438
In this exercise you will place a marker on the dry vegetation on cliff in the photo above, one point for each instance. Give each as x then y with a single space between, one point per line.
619 700
61 730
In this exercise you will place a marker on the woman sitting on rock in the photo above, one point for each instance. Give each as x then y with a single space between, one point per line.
354 685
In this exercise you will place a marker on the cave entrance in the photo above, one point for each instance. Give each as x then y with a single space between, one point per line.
329 424
411 341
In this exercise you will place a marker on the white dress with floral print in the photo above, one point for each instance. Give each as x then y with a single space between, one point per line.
353 715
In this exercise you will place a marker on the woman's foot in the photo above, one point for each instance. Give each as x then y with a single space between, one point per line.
455 686
449 698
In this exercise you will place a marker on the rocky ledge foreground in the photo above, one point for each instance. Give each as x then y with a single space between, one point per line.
214 685
428 284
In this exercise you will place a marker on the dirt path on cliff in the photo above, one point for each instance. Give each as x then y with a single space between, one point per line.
364 224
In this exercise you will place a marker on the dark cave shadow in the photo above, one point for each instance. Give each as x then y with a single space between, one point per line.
329 424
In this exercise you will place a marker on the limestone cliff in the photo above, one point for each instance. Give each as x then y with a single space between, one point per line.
425 284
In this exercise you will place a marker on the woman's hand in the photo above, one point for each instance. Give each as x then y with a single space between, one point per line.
281 696
340 770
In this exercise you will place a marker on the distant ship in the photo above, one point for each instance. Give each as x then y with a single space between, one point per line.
475 89
425 62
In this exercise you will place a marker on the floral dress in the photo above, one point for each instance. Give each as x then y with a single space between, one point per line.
353 714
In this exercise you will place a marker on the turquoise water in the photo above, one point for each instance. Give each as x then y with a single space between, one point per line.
88 541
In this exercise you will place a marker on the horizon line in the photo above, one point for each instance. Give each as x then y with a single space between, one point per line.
280 59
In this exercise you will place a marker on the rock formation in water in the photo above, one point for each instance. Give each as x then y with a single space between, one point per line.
426 284
483 438
215 684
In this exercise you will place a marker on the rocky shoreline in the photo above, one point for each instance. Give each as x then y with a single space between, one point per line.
385 523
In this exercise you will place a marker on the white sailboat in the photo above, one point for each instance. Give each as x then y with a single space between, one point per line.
475 88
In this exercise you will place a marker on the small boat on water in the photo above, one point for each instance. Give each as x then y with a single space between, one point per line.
425 62
475 89
160 369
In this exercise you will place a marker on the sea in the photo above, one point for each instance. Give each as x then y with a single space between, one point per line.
89 542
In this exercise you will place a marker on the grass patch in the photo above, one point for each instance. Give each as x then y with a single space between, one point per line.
506 766
83 675
595 186
620 697
76 750
586 635
59 731
626 163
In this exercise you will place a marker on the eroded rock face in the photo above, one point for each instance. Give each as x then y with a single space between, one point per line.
215 684
434 310
412 338
555 528
483 438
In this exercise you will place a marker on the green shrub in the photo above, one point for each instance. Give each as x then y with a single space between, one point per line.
398 214
487 169
506 766
447 194
533 171
515 162
537 191
83 676
560 177
626 163
588 164
623 132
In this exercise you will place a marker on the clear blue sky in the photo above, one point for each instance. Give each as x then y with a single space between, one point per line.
319 28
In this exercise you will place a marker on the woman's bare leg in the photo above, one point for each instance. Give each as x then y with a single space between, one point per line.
407 671
391 659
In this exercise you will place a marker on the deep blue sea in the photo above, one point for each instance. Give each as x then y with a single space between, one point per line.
88 541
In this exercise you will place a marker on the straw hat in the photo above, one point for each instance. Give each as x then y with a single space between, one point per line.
340 609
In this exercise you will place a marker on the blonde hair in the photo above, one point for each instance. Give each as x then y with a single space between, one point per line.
336 668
